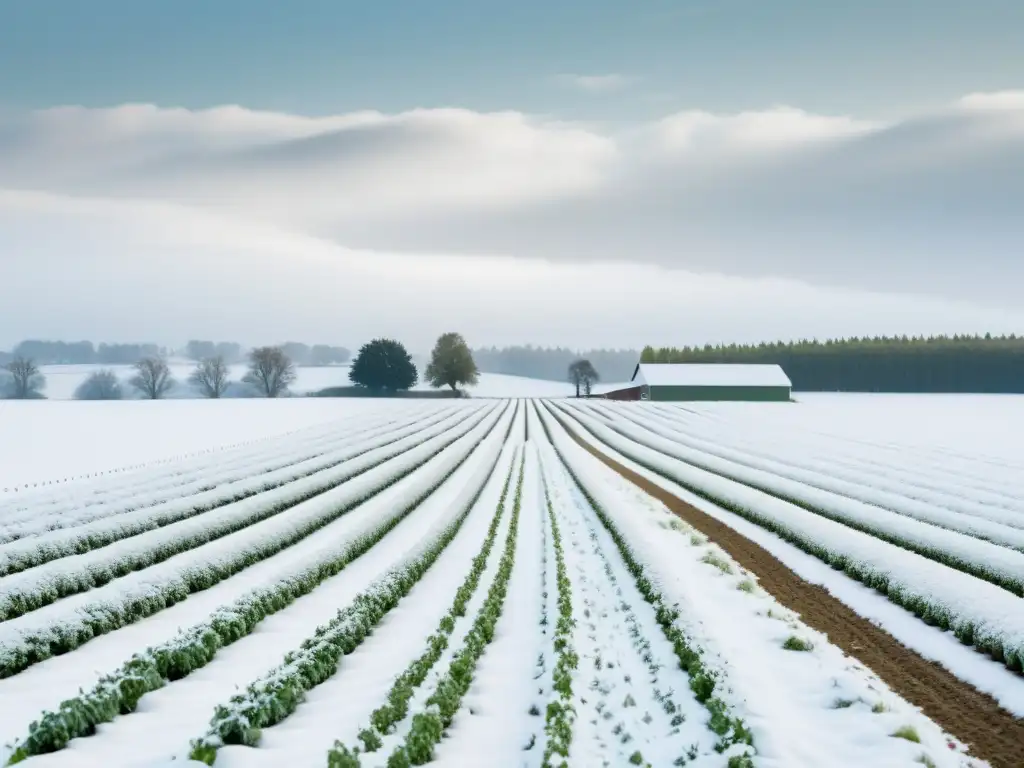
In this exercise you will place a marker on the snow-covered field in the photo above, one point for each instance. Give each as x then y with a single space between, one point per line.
381 583
52 440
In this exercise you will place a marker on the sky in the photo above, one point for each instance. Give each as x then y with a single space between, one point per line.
582 173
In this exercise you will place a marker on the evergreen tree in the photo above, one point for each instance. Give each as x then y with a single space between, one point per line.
961 363
383 364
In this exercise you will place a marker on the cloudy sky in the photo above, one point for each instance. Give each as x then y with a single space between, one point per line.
581 173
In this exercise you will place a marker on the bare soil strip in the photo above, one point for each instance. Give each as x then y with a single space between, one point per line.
993 733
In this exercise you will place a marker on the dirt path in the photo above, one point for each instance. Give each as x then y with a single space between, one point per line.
993 733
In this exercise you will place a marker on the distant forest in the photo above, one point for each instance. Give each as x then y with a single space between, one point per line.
979 364
86 353
612 365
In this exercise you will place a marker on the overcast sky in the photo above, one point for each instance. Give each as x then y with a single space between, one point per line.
595 173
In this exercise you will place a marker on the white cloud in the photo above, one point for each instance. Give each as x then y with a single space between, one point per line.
130 270
135 200
1013 100
595 83
698 131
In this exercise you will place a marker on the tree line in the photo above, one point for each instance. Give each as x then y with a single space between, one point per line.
87 353
299 353
551 363
83 352
382 366
933 364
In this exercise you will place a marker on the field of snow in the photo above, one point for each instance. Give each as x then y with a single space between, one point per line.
63 380
386 583
50 441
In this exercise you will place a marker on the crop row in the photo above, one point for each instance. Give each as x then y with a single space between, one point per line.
51 536
828 464
276 695
705 682
979 614
71 622
384 719
941 535
119 692
559 714
184 477
429 726
45 584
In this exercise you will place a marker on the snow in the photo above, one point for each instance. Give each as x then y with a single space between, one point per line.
993 612
923 533
788 698
456 641
711 375
250 516
44 441
495 726
930 642
616 690
828 460
171 716
44 685
224 555
938 470
174 491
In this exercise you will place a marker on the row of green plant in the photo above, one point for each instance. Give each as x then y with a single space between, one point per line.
642 645
704 681
68 632
119 692
974 563
32 552
560 713
1008 650
385 718
429 726
38 589
277 694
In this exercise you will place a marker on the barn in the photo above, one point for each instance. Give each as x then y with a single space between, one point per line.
705 381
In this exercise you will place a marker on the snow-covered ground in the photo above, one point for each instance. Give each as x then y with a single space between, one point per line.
51 440
42 441
462 581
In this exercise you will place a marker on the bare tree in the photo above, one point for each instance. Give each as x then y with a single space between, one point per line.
583 375
26 380
100 385
270 371
152 377
210 376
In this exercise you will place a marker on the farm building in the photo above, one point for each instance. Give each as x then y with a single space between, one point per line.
699 381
